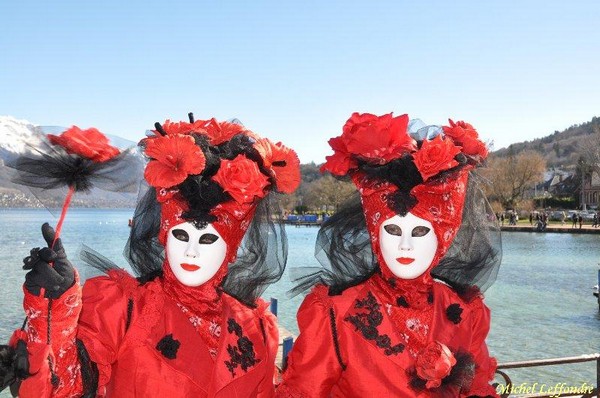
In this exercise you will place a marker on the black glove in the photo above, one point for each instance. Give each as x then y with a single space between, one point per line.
14 366
55 279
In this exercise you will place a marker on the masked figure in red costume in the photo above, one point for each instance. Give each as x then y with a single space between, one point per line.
397 311
191 324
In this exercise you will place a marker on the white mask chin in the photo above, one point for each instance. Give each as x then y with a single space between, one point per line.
408 245
195 255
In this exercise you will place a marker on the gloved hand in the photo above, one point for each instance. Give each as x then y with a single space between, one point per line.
56 278
14 366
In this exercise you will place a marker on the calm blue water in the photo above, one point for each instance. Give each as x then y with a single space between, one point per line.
542 305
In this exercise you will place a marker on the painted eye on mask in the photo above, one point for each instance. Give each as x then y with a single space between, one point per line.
181 235
393 229
420 231
208 239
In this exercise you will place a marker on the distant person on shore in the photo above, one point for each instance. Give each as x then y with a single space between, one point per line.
562 218
502 218
574 218
396 310
530 218
580 219
595 220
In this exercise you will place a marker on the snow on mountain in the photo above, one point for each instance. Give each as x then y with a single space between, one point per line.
17 134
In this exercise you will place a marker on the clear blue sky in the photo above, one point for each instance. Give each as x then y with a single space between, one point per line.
295 71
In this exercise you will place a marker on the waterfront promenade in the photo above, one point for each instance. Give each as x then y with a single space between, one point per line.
554 227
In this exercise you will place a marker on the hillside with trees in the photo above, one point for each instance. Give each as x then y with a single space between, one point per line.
561 149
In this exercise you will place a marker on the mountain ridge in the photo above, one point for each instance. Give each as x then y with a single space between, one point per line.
561 149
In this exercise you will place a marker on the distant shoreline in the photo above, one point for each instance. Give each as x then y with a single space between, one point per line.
560 229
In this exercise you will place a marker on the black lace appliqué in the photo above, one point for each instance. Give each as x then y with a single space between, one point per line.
168 346
453 313
243 353
401 302
367 322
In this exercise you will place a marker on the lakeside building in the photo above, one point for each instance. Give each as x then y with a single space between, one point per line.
591 190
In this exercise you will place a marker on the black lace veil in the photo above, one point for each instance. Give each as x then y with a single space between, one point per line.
260 261
343 248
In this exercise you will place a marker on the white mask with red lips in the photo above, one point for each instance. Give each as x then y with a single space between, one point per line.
195 254
408 245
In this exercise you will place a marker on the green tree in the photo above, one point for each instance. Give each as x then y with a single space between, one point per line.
327 193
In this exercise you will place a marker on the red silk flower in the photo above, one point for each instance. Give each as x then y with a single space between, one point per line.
90 144
218 133
465 135
282 161
434 156
434 363
174 157
174 128
341 161
377 139
242 179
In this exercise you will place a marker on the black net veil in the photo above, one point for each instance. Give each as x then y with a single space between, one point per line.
474 257
47 170
343 248
261 257
260 260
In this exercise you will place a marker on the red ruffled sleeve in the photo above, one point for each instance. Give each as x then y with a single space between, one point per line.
313 367
51 333
103 320
485 365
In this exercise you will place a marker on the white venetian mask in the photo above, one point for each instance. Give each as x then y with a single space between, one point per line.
195 255
408 245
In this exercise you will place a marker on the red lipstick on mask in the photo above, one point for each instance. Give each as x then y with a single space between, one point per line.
190 267
405 260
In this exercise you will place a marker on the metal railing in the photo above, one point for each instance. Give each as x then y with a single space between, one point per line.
527 390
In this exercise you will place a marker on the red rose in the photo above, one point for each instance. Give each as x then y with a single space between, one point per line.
434 156
377 138
90 144
341 161
242 179
282 161
434 363
465 135
174 157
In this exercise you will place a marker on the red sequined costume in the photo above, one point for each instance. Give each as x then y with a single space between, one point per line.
388 336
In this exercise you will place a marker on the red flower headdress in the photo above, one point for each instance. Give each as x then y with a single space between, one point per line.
369 140
207 171
397 170
222 158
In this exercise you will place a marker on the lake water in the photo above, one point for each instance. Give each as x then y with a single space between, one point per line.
542 304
